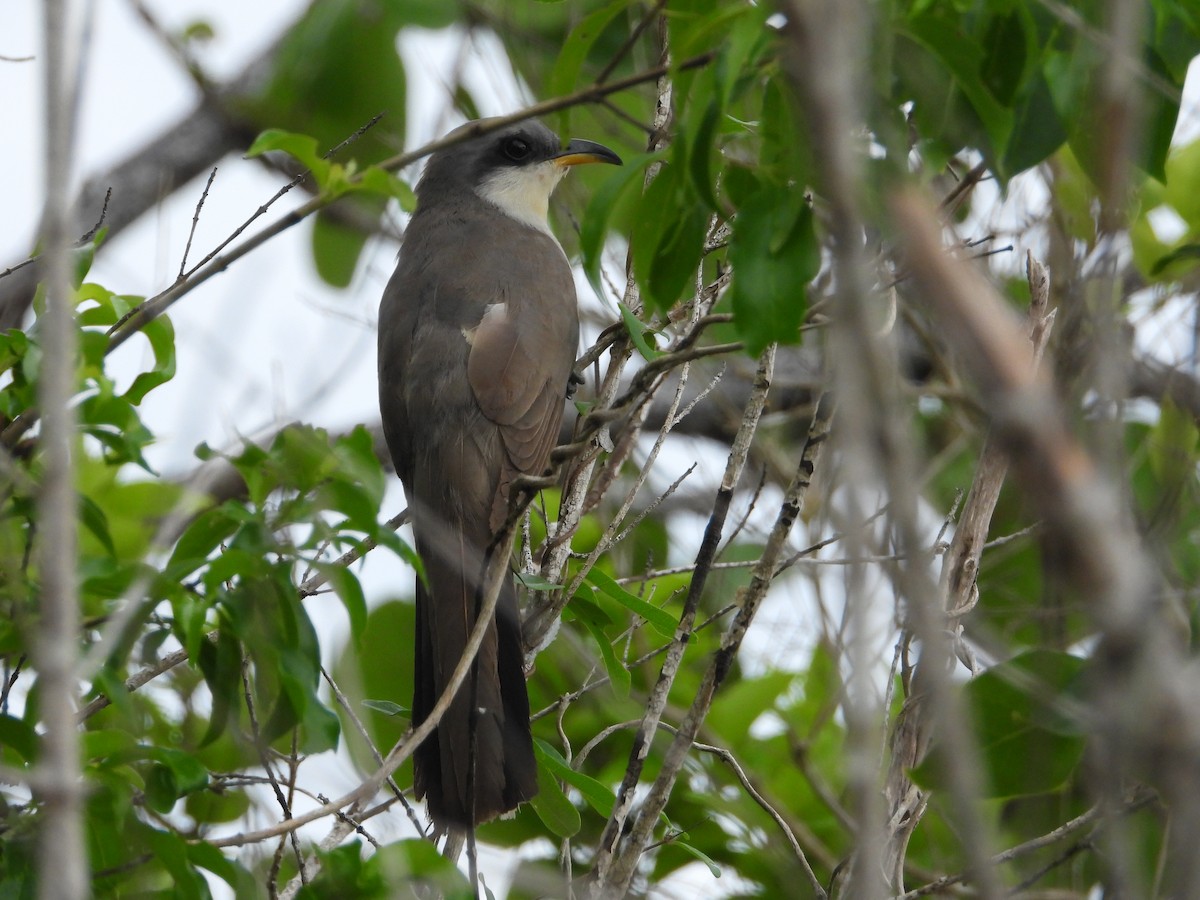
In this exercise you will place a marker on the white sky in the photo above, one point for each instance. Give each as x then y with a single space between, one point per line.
266 341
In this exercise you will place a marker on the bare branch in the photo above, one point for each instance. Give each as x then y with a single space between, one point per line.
617 879
196 221
62 857
960 569
1149 689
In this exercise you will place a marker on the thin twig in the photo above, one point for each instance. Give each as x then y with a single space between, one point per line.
608 856
344 702
730 760
315 582
85 239
635 33
1095 814
616 880
265 759
196 221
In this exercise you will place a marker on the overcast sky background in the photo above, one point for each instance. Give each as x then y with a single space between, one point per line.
267 341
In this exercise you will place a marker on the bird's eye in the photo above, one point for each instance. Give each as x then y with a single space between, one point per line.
516 149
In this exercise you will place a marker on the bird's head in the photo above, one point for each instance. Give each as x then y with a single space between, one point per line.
514 168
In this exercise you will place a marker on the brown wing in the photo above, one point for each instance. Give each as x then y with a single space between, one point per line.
519 367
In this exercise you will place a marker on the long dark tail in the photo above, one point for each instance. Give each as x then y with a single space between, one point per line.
505 772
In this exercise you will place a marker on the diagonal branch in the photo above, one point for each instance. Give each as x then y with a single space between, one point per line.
608 851
910 737
616 880
1146 717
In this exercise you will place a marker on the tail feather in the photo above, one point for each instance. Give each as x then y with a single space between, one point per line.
505 770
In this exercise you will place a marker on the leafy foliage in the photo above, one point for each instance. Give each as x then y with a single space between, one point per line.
725 217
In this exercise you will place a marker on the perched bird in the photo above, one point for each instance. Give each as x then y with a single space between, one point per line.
478 330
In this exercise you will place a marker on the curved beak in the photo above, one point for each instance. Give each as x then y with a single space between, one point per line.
578 152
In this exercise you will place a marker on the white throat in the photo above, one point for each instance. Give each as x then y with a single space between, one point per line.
524 193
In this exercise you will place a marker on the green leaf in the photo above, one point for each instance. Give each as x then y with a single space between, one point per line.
1189 253
342 874
700 150
1029 740
208 857
785 157
221 664
419 863
395 869
564 77
598 797
741 702
668 238
302 456
161 335
700 855
198 540
336 249
320 729
160 789
774 254
600 209
174 774
171 851
348 588
109 683
1006 54
1037 129
348 496
947 39
696 145
301 147
747 40
12 640
1172 447
337 68
585 608
234 562
113 421
464 102
552 806
388 708
198 30
618 675
431 13
103 313
1160 112
106 744
699 25
212 808
381 668
385 184
355 453
659 619
533 582
95 521
637 333
19 736
191 620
